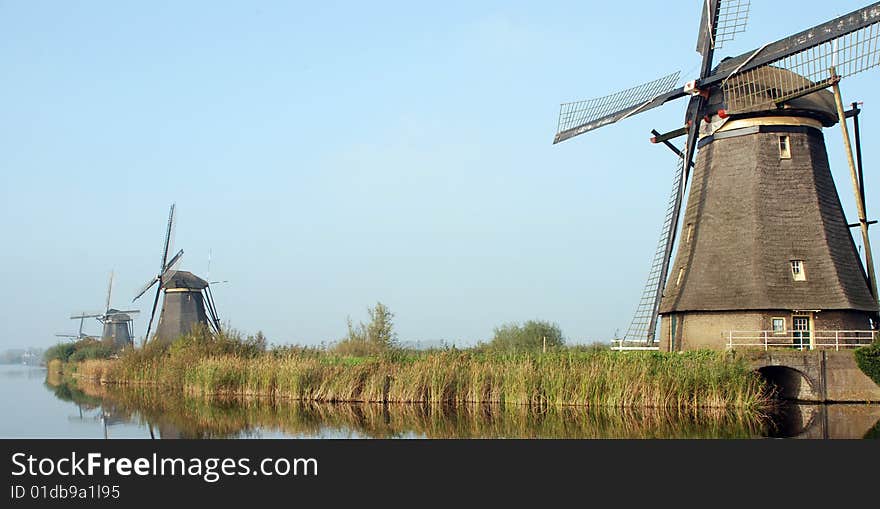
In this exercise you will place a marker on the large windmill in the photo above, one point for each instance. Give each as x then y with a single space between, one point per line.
188 300
765 244
117 324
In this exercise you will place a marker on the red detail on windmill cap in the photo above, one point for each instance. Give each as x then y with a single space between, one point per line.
653 139
722 114
706 119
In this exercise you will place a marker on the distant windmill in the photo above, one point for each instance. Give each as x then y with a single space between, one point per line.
81 335
117 324
118 329
187 299
765 244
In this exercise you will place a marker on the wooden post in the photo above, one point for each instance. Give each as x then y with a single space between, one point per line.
545 344
863 220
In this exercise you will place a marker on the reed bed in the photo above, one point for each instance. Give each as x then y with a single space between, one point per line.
599 378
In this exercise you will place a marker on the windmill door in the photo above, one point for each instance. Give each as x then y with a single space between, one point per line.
800 325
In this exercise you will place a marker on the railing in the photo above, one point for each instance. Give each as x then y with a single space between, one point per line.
623 345
804 340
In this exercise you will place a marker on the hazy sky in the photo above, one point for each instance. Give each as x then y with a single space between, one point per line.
335 154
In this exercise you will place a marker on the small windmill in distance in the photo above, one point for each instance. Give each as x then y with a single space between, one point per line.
118 330
117 324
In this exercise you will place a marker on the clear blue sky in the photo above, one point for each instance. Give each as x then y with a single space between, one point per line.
335 154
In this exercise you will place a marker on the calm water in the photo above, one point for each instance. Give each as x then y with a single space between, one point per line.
37 407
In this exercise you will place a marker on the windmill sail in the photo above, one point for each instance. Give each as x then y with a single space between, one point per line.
763 86
752 82
582 116
643 324
166 267
732 18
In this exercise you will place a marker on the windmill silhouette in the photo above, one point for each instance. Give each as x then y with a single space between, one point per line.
187 301
116 324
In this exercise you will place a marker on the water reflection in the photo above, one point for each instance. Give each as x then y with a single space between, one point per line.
803 420
164 415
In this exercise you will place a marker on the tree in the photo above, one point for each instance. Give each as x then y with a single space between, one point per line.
380 331
372 338
530 336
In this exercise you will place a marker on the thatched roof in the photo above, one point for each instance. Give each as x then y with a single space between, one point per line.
184 279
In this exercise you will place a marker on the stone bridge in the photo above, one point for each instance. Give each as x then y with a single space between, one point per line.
822 376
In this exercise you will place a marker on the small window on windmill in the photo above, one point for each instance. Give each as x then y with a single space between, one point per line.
690 232
778 325
797 270
784 147
680 276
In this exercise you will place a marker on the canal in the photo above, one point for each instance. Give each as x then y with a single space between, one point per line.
37 406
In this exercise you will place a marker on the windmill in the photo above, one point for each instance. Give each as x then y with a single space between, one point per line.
80 335
117 324
187 299
765 246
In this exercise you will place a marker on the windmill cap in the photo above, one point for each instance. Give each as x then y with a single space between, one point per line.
184 279
115 316
775 82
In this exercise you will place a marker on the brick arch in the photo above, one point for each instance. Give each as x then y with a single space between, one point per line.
790 383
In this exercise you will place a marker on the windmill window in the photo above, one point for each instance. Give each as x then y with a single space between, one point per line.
690 232
784 147
778 325
797 270
680 276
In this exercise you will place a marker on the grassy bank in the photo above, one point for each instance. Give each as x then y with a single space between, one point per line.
563 377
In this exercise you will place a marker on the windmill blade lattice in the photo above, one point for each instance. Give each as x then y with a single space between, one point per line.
171 268
169 238
640 327
732 19
849 54
582 116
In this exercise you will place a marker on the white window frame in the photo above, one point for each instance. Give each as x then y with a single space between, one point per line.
773 324
798 270
785 147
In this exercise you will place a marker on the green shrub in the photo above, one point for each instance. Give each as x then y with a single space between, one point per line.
88 348
868 359
370 338
99 351
61 351
529 336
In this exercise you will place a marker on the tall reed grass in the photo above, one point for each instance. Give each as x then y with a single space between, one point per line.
592 378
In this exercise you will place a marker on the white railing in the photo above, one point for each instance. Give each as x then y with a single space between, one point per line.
767 339
623 345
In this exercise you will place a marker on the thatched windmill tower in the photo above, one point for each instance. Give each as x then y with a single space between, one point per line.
186 303
117 329
764 245
188 300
